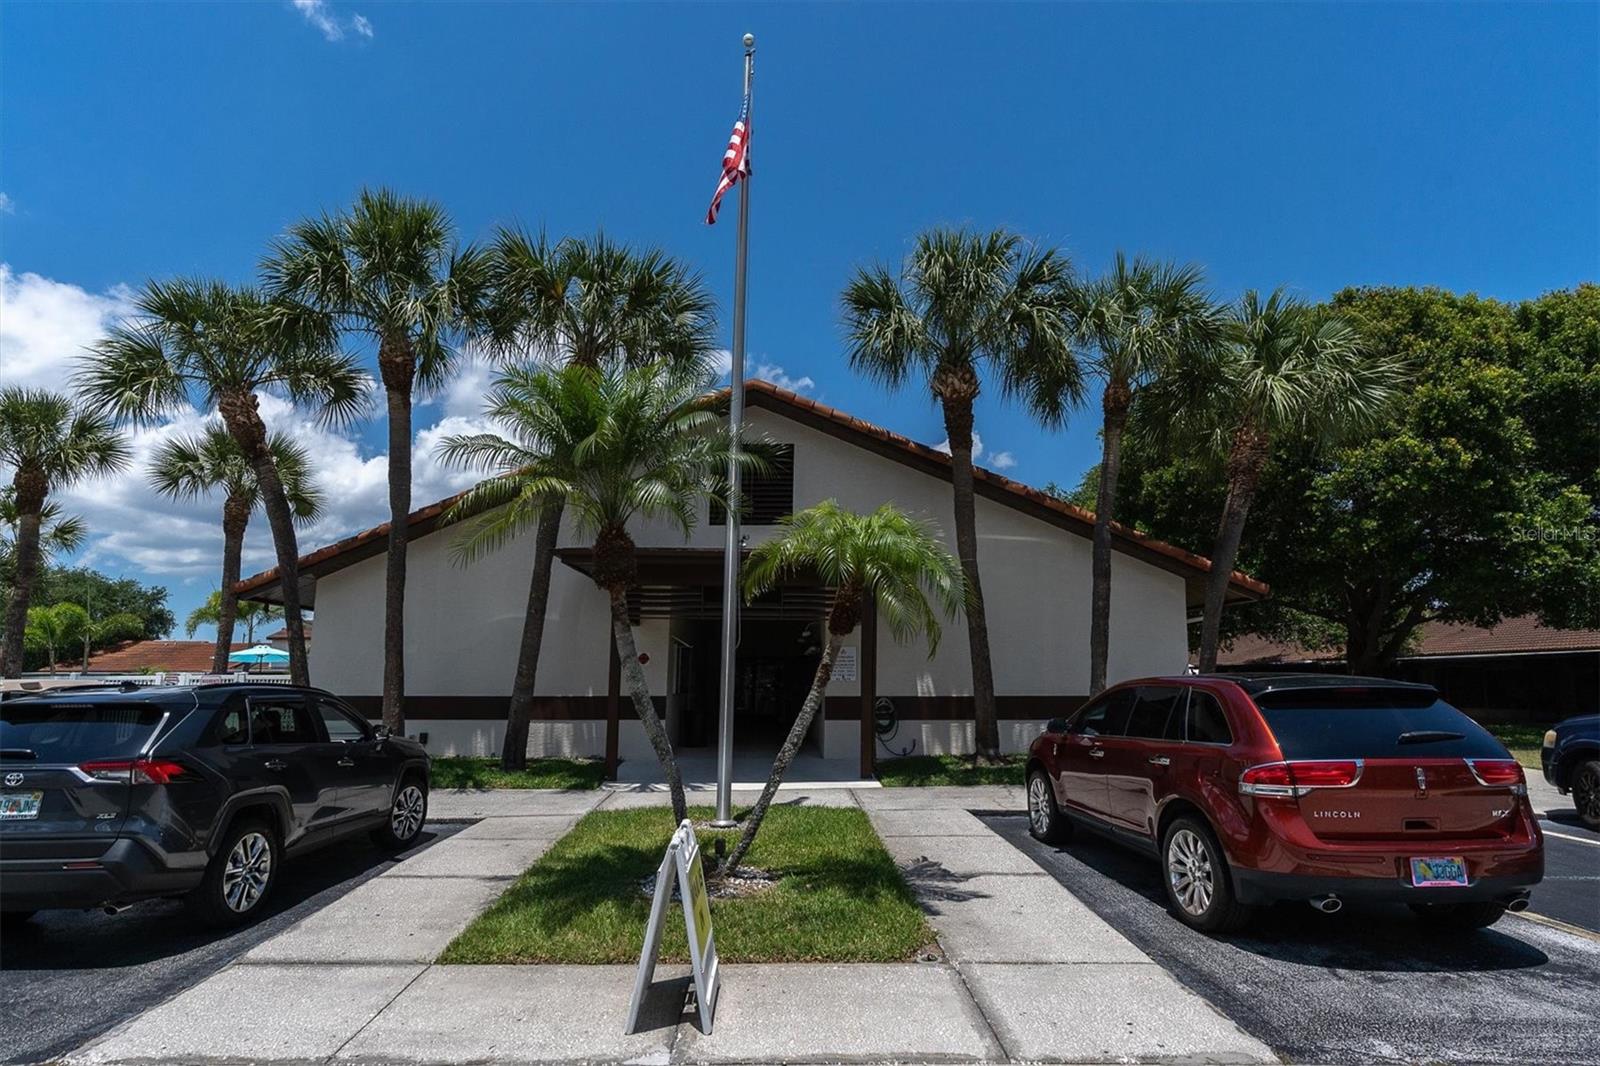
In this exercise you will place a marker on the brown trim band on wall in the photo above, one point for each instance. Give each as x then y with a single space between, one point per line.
593 708
956 708
494 708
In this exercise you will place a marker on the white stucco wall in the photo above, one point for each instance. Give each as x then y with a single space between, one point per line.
463 623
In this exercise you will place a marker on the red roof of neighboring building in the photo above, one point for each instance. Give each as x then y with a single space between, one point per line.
1523 635
160 656
283 634
846 427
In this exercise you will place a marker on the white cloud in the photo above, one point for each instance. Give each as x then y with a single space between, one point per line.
997 461
8 206
722 362
332 27
45 325
771 372
977 447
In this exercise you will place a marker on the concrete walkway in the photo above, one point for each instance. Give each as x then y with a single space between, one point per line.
1031 974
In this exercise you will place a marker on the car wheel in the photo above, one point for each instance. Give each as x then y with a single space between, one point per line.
1045 820
1586 792
1459 915
406 815
1195 873
240 875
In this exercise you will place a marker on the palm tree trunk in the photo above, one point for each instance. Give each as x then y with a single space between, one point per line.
514 753
639 690
399 372
1246 457
235 517
240 415
986 724
1114 406
30 497
786 754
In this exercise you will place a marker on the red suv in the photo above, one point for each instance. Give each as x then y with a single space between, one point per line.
1251 789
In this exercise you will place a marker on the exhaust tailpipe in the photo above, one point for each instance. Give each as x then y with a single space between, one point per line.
114 909
1327 904
1518 905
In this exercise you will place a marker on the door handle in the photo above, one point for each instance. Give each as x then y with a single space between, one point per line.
1097 753
1159 760
275 764
346 761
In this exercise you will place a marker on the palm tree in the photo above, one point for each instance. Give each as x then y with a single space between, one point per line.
388 269
886 556
191 467
611 445
204 340
1288 367
248 613
587 303
59 534
54 627
1138 322
961 299
49 444
101 632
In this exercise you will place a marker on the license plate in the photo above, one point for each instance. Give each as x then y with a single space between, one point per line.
1430 873
18 806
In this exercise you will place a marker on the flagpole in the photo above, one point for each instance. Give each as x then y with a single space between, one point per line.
733 546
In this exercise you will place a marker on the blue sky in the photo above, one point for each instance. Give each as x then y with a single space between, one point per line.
1314 146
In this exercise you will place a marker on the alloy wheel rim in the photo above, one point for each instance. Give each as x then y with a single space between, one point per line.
1586 794
1189 872
249 868
1038 806
406 817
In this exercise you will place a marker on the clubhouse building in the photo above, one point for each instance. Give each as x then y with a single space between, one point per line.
463 623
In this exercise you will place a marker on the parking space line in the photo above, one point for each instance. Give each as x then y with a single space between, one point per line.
1556 923
1568 836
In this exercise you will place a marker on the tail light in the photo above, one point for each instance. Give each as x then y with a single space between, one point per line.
1499 773
133 771
1291 779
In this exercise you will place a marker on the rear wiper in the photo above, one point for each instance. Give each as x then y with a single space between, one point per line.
1429 736
18 753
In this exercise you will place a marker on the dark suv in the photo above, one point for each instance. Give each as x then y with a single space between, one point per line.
1254 789
1571 762
120 794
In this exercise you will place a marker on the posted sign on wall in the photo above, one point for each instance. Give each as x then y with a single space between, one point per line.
682 864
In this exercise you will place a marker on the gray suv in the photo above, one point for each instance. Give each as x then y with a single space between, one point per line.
118 794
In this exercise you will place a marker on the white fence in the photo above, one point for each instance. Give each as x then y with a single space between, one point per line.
167 678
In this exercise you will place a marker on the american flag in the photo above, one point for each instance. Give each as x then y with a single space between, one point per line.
735 161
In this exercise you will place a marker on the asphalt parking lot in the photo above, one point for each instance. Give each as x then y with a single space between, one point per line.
1367 985
68 976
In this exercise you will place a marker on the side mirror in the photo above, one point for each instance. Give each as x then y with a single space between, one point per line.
380 732
1056 725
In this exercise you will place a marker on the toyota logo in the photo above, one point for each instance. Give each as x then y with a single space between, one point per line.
13 779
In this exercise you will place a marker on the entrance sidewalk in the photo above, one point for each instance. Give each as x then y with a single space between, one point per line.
1032 973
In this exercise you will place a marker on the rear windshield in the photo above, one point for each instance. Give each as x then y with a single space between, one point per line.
1374 724
74 732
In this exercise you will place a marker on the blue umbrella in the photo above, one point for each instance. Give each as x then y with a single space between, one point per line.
258 654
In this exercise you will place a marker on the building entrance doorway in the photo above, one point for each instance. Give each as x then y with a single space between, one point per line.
777 660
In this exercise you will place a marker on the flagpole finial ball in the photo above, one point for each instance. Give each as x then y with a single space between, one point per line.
749 40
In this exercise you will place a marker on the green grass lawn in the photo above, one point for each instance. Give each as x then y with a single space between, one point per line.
916 770
840 897
1523 740
457 771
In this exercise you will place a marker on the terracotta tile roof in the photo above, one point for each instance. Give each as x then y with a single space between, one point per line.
283 634
1523 635
847 427
170 656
